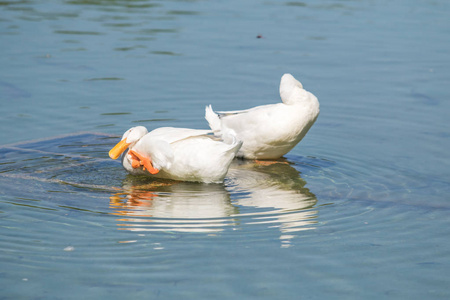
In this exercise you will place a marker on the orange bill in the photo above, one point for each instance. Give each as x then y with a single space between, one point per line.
144 161
121 146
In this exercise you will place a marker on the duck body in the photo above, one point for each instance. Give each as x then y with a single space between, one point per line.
269 131
180 154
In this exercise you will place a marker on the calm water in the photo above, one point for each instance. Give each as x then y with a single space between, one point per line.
358 210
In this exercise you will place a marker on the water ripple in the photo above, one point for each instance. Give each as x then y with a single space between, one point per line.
267 196
273 196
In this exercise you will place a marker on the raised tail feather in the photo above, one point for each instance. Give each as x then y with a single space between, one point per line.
213 120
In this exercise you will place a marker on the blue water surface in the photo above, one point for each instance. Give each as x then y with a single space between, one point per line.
358 210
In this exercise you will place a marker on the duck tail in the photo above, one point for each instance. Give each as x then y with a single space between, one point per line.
213 120
235 144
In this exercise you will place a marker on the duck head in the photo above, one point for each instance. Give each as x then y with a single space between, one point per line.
129 139
291 90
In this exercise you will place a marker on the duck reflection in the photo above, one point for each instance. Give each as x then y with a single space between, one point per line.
253 193
277 189
154 205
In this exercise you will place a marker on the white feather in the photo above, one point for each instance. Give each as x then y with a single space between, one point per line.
269 131
184 154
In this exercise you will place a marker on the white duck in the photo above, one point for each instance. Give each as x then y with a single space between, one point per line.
269 131
176 153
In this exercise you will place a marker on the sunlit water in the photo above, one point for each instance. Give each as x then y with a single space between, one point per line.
358 210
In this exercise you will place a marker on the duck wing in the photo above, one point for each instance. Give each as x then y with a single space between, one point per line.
172 134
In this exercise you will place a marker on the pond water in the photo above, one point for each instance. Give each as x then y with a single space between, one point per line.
358 210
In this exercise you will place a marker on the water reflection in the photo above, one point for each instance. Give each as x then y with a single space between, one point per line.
279 193
172 206
268 195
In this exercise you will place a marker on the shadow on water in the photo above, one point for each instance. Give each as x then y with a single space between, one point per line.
272 195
